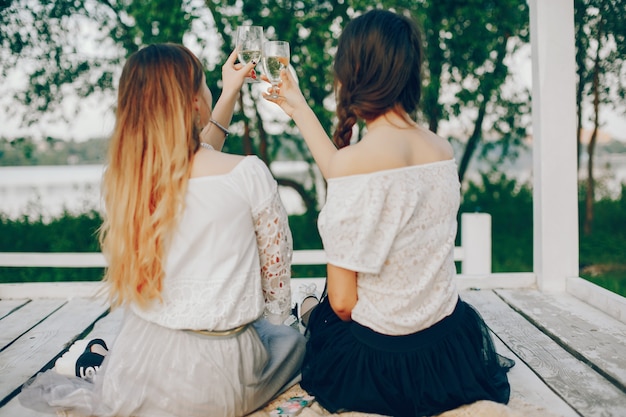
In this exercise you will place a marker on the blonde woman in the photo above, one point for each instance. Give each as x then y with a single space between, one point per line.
199 253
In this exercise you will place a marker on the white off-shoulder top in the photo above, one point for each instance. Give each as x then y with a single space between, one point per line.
397 229
230 258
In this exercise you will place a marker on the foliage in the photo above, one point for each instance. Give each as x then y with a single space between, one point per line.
467 46
609 232
75 48
67 233
78 233
600 37
26 151
511 209
602 258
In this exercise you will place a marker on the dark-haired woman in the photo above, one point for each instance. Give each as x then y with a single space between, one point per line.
392 336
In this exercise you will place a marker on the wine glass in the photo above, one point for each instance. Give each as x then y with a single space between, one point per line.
275 58
249 40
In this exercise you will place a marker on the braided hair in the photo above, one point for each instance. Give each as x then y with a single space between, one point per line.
377 68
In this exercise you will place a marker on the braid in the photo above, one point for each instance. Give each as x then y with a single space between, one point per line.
346 120
346 116
377 68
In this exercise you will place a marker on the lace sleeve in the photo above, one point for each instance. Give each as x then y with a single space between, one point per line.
275 250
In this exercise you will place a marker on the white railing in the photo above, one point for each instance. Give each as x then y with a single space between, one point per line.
474 255
474 252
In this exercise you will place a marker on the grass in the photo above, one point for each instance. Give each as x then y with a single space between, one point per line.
614 281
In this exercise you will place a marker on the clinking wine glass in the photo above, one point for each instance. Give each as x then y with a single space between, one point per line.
275 58
249 42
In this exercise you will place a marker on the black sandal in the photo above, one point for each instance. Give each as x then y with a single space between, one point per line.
89 361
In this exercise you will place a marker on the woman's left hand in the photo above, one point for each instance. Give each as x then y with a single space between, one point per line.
234 74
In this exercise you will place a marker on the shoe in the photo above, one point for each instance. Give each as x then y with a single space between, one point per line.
89 362
66 364
308 303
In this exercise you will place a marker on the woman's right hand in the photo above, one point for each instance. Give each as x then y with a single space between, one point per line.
234 74
290 98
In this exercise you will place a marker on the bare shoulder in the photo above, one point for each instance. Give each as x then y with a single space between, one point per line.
434 146
351 160
390 148
207 163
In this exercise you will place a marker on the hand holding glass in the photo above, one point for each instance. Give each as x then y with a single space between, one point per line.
275 58
249 41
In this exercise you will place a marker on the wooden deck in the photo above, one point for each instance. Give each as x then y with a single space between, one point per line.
570 357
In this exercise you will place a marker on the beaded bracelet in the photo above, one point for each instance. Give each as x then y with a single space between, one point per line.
220 127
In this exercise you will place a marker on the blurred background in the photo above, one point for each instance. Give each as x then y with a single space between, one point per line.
60 61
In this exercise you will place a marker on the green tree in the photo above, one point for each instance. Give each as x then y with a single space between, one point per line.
600 50
467 44
75 48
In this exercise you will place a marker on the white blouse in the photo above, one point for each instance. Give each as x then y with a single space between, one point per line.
396 228
230 258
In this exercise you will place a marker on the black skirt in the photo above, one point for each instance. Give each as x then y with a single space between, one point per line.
349 367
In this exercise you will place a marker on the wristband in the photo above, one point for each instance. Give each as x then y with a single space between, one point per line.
225 131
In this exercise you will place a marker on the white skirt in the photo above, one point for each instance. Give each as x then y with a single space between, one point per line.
156 371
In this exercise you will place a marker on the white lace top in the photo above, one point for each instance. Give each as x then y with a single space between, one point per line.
396 228
230 260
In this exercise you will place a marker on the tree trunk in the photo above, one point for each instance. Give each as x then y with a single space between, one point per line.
487 90
246 140
589 197
263 149
474 139
579 115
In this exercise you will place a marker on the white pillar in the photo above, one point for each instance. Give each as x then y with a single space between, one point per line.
476 243
555 194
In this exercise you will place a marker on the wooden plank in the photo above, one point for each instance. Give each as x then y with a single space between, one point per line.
65 290
610 303
587 333
8 306
22 320
581 387
526 386
497 280
105 328
39 347
108 327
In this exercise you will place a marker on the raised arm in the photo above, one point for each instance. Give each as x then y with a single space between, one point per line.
293 103
233 76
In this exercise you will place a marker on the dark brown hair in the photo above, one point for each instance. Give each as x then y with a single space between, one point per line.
377 68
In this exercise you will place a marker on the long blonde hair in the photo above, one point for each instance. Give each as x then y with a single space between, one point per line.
148 167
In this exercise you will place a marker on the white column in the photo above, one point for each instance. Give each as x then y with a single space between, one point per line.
476 243
555 195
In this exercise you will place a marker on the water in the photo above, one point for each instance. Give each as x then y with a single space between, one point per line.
50 190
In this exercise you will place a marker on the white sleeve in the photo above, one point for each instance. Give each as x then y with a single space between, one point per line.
357 226
274 242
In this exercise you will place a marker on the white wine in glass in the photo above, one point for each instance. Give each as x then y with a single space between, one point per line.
249 41
275 58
